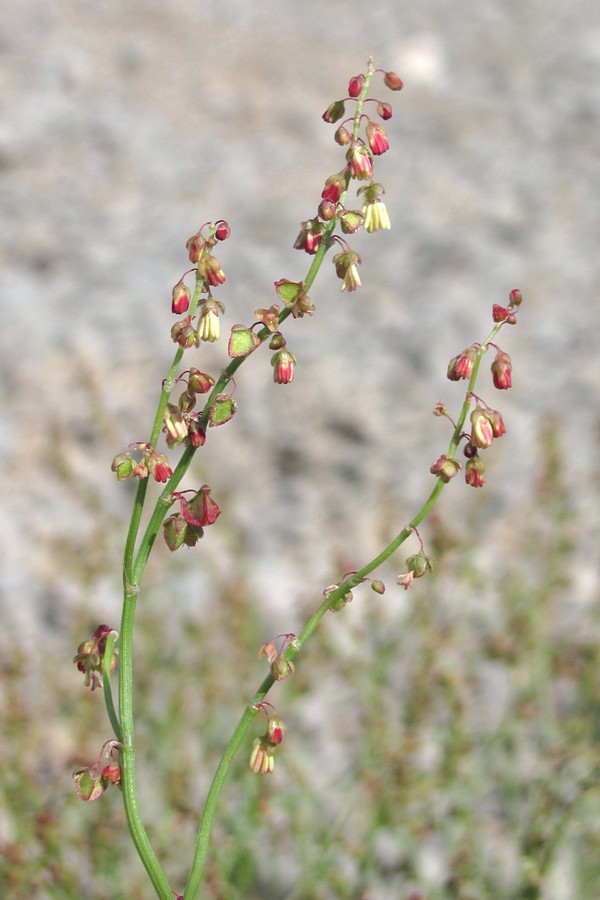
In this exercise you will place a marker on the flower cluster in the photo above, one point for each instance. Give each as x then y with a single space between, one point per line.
187 526
361 148
89 658
262 761
486 423
92 781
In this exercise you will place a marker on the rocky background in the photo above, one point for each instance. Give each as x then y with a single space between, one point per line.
125 125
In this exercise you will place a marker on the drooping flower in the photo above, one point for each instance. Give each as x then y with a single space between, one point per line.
345 267
482 433
502 371
283 363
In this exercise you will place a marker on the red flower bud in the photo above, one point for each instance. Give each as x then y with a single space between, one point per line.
355 85
482 433
222 230
461 367
474 472
180 298
377 138
334 111
515 297
384 110
502 371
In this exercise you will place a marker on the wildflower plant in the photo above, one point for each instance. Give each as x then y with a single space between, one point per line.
192 401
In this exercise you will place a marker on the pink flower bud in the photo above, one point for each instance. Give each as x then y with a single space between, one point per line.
474 472
384 110
502 371
461 367
195 246
377 138
359 162
275 731
495 418
222 230
283 363
326 210
310 236
196 433
355 85
482 433
180 298
334 187
501 314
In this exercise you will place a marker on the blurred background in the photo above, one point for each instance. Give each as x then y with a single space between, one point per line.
441 742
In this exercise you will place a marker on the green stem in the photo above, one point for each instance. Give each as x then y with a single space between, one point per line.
106 686
308 629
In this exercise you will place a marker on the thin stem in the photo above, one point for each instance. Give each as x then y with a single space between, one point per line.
106 686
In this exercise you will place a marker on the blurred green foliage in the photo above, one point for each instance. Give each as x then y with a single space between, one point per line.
441 743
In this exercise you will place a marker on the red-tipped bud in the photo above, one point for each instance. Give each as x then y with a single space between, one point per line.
461 367
378 587
275 731
210 268
180 298
334 187
502 371
495 418
359 162
377 138
342 136
195 245
334 111
474 472
196 433
222 230
311 233
384 110
283 363
355 85
393 81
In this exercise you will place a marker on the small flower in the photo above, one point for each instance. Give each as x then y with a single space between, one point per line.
180 298
376 217
350 221
355 85
327 210
210 268
378 586
345 267
446 467
196 432
222 230
201 510
269 317
195 247
384 110
515 297
261 758
122 465
406 579
482 433
92 781
283 363
393 81
419 564
174 425
502 314
275 730
89 658
474 472
209 327
359 162
334 187
377 138
498 426
184 334
502 371
461 367
342 136
199 382
334 111
309 238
